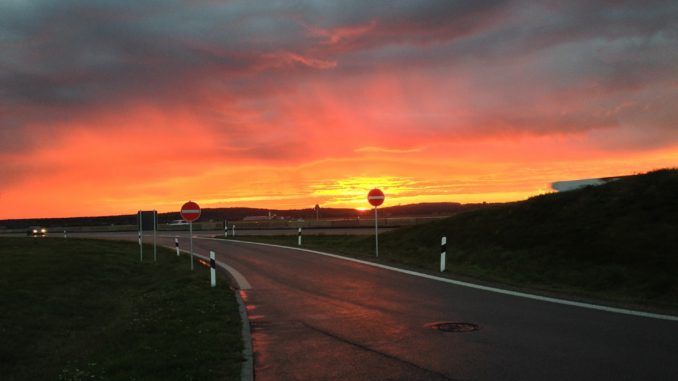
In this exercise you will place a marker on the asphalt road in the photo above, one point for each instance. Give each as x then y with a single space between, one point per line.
239 232
320 318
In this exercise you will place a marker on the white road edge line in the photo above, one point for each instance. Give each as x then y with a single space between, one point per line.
247 368
472 285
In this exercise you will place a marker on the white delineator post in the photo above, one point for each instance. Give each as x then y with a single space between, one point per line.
299 237
443 253
213 270
176 244
65 235
225 229
233 231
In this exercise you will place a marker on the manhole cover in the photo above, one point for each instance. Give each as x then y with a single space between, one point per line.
447 326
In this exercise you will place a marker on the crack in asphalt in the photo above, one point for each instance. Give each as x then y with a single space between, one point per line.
366 348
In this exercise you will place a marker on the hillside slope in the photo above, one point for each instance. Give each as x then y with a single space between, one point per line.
618 239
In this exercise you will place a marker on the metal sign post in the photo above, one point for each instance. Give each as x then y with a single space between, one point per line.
376 197
190 212
376 232
190 239
151 218
155 236
141 237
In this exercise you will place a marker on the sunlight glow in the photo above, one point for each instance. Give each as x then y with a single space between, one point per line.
353 191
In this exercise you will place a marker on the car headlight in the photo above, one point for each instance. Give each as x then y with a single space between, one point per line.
43 230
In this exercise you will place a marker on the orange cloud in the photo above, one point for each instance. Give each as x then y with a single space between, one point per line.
103 111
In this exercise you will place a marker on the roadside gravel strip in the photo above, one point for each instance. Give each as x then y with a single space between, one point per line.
471 285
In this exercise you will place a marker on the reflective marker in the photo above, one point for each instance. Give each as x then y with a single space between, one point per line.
443 253
213 269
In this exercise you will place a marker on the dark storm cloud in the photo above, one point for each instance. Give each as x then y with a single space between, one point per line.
72 53
63 58
75 52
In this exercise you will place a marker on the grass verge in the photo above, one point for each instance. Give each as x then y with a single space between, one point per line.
81 309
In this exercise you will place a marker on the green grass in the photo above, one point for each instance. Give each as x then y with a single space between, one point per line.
80 309
616 242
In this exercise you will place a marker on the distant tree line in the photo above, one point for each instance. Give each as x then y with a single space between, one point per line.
235 214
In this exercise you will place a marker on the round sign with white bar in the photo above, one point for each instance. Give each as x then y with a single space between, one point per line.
190 211
376 197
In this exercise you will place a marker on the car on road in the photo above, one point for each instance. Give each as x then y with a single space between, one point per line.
36 231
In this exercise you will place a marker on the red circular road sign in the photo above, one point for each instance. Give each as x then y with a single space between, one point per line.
376 197
190 211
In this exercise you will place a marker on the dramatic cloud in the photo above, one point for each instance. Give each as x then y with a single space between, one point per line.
118 104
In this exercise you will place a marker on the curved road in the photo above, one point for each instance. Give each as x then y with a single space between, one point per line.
319 318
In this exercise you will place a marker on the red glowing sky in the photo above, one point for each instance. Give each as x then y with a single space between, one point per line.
108 108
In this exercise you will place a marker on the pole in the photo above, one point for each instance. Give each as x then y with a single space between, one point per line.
65 235
443 253
141 238
225 229
376 232
299 240
155 236
213 270
176 244
190 229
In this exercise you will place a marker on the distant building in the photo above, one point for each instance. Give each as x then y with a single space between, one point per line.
256 218
260 218
563 186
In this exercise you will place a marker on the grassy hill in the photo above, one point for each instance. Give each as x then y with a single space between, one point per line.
620 238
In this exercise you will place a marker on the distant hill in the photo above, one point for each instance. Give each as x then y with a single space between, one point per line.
234 214
619 238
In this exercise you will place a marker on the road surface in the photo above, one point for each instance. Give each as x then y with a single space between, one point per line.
320 318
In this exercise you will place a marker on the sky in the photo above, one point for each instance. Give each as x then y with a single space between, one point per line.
109 107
